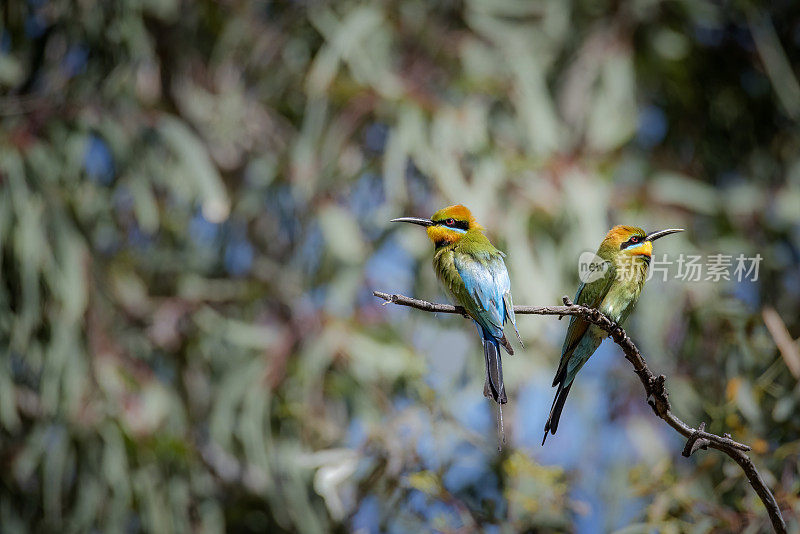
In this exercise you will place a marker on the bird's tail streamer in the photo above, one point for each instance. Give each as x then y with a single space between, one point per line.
500 430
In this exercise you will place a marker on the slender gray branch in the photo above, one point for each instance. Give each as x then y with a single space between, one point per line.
654 387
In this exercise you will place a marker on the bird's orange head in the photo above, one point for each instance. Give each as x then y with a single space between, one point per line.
631 241
447 225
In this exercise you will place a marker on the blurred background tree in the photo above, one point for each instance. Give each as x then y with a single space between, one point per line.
193 215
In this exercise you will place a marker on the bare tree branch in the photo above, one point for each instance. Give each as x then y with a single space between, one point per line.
654 387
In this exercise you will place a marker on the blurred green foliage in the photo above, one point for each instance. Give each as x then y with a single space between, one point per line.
193 216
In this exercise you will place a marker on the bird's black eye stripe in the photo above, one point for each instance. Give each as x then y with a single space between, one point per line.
453 223
632 241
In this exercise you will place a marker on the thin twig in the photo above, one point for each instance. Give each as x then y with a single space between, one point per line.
654 387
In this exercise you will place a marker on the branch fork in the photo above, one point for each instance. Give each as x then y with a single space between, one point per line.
696 442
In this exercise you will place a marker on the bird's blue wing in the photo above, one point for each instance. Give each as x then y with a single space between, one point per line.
487 284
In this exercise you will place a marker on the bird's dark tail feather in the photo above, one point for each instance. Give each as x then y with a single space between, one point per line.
555 411
493 386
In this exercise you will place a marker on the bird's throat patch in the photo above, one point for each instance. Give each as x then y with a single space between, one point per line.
442 236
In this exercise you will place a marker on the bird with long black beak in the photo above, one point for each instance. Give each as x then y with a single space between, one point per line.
613 288
474 273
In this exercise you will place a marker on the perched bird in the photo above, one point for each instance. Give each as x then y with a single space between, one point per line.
613 287
474 273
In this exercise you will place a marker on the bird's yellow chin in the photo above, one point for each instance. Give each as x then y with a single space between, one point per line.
645 249
440 234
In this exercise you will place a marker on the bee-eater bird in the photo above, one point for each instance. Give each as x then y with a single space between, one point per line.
474 273
620 271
